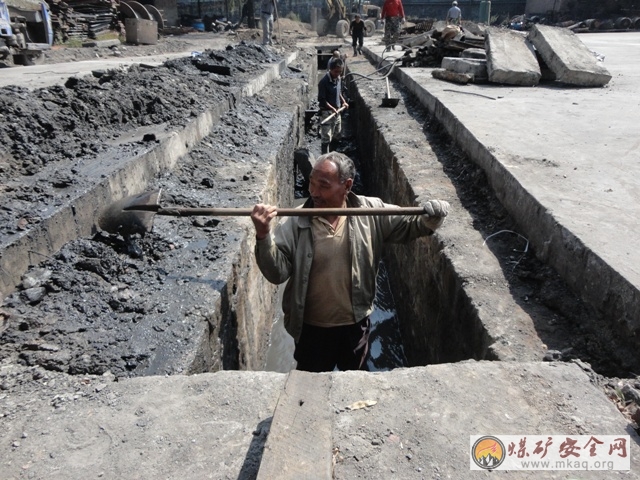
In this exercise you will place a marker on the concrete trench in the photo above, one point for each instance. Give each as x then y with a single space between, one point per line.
457 296
446 317
241 306
440 323
452 292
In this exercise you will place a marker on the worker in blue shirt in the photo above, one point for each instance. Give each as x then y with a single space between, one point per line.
331 104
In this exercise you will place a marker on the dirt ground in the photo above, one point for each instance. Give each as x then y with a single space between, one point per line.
75 315
291 33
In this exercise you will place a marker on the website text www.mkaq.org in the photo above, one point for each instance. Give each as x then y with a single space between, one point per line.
566 464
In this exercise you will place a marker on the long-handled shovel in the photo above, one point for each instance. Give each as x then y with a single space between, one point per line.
135 214
332 115
387 101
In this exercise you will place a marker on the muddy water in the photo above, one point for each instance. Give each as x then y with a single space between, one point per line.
386 347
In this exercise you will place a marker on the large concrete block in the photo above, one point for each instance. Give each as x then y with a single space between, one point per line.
474 53
510 58
567 57
474 66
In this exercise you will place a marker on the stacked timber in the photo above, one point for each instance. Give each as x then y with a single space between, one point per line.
84 19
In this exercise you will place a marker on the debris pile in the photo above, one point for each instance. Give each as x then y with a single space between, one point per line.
244 58
505 56
626 396
429 48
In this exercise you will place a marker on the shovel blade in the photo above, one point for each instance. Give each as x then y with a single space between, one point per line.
115 219
390 102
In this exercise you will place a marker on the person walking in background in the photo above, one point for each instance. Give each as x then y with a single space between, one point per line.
454 15
267 14
245 12
356 30
330 263
392 15
330 99
335 55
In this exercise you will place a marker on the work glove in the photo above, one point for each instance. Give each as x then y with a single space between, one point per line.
435 212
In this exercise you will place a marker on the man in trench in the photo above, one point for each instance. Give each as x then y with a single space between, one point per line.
331 263
330 100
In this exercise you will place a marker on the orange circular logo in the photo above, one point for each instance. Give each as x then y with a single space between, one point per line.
488 452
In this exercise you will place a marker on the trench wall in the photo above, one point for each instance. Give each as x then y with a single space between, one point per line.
439 322
253 299
587 274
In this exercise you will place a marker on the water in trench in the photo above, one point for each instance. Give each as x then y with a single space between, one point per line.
386 349
385 342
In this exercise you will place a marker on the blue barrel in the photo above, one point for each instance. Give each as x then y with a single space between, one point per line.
198 24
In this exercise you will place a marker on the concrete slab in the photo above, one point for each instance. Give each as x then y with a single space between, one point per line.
568 57
510 58
474 53
216 425
474 66
421 425
565 163
114 42
299 445
190 427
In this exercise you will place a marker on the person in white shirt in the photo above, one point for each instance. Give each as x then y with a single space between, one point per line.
454 15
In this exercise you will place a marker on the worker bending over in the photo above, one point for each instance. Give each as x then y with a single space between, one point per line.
331 100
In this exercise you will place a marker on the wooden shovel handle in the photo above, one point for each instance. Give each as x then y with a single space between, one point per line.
282 212
332 115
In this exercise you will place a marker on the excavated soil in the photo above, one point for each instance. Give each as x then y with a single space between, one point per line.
57 130
99 305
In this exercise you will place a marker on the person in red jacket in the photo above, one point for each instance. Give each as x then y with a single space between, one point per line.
393 15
